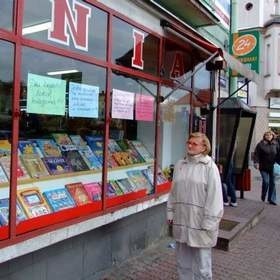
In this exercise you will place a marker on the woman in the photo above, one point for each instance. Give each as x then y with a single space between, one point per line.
265 156
195 208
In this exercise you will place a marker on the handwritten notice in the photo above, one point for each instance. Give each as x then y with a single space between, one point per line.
122 104
144 108
83 100
45 95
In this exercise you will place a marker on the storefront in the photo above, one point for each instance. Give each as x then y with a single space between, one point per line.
95 105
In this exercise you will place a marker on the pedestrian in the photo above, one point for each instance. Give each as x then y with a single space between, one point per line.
195 208
265 155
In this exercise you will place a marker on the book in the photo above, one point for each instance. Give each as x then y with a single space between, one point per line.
119 157
111 191
57 165
138 180
5 148
95 142
34 165
48 147
89 157
78 193
127 147
3 176
74 158
64 142
26 147
5 162
33 202
59 199
77 140
125 185
113 146
94 190
117 188
4 212
142 150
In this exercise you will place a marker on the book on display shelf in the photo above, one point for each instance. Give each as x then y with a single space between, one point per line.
59 199
57 165
77 140
142 150
74 158
34 165
48 147
113 146
3 176
138 180
4 212
113 189
125 185
5 148
33 202
27 147
95 142
78 193
119 158
128 148
22 173
64 142
89 157
111 161
94 190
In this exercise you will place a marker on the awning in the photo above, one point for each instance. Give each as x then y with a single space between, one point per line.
208 48
241 68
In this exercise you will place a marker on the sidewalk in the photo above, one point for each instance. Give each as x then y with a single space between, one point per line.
254 257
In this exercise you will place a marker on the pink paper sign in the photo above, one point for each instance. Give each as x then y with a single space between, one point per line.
144 108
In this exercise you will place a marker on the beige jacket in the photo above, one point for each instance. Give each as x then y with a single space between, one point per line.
195 202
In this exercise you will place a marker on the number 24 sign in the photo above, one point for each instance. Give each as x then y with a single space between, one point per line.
244 44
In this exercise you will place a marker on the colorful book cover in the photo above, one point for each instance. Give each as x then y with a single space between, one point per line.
75 159
78 193
117 189
33 202
119 158
89 157
94 190
111 191
4 212
59 199
34 165
5 148
57 165
95 142
138 180
77 140
5 162
64 142
113 146
3 176
26 147
125 185
111 161
126 146
142 150
48 147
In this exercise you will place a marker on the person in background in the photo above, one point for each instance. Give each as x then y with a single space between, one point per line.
195 208
265 155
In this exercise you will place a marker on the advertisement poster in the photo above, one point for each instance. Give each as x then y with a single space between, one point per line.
144 107
122 104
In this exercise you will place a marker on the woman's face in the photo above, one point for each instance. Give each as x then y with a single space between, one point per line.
195 146
268 136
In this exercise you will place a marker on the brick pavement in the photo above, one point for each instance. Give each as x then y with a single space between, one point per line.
254 257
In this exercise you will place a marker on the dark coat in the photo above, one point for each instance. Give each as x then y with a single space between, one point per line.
266 154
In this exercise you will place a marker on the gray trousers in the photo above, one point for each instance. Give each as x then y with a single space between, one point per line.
193 263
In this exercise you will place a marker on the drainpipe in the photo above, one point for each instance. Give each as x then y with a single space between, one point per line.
233 29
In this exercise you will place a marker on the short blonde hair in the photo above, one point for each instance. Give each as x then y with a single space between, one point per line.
205 141
267 133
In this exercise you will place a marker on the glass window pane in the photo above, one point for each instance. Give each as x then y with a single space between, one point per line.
132 136
6 14
89 40
56 149
122 47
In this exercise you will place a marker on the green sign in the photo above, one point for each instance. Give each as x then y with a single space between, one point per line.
45 95
245 47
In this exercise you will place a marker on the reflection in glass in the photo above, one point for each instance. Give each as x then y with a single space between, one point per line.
6 14
37 24
122 48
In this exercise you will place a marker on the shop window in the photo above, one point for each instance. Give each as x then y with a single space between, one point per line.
132 138
74 25
134 48
62 106
6 14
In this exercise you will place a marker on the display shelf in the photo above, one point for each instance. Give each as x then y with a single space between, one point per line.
163 188
53 218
